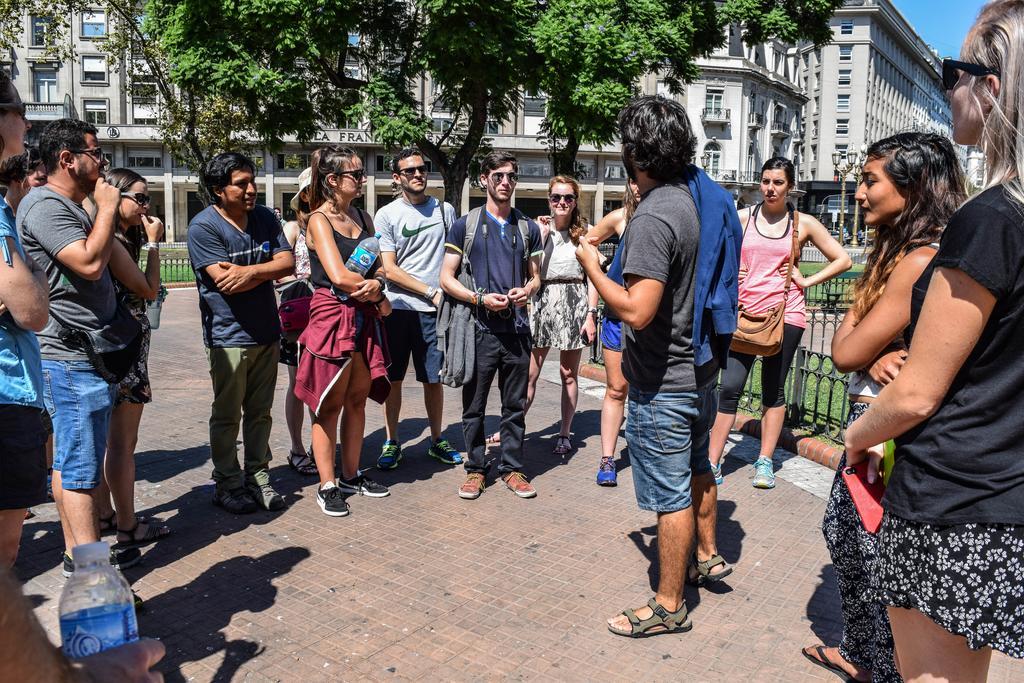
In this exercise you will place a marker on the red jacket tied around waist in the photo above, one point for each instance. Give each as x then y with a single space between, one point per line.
337 329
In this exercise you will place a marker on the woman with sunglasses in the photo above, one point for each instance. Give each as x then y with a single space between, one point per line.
23 303
564 313
342 361
136 232
910 186
773 238
949 564
613 407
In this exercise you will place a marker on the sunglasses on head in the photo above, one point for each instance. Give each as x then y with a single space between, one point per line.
499 177
139 198
951 72
559 198
413 170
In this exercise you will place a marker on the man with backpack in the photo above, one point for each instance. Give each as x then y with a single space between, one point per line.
499 249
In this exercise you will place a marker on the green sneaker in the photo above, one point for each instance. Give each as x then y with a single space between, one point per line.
390 454
764 474
443 451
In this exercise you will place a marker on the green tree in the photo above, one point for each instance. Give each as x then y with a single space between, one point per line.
593 54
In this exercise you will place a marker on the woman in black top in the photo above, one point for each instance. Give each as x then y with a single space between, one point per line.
335 230
950 550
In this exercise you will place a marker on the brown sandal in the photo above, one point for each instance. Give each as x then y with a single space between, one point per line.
669 622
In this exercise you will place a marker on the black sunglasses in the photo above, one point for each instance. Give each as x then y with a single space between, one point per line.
567 198
138 197
499 176
413 170
17 107
357 175
96 153
951 72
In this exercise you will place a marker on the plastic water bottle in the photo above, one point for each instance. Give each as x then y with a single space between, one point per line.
96 608
362 259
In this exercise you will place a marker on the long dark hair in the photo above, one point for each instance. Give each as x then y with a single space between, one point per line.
927 171
325 161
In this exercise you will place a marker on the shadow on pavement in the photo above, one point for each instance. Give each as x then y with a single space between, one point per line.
240 584
823 608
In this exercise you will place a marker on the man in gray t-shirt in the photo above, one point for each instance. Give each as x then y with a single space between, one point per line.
75 252
670 401
412 233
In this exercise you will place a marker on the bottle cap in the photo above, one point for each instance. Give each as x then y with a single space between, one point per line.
90 552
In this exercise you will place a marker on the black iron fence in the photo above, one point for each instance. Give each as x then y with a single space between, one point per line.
175 270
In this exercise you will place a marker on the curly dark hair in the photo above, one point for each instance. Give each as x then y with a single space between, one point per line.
656 138
217 174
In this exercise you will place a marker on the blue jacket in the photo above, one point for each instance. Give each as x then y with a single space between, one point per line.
715 300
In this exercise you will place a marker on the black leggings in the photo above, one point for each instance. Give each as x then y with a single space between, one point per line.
773 374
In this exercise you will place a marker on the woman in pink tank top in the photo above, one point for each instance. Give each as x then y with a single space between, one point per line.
764 262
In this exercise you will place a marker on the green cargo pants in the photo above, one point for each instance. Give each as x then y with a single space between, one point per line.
244 379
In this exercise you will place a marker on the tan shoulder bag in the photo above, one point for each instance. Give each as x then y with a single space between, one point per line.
761 335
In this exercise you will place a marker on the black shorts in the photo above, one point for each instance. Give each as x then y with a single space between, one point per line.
412 333
22 457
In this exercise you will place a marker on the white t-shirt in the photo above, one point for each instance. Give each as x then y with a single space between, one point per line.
415 233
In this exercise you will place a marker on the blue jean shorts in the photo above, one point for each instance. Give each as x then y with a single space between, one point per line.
79 403
668 435
611 334
413 334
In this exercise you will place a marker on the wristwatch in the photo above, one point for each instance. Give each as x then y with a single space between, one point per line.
593 311
431 291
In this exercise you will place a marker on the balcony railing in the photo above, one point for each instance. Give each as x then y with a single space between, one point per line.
750 177
755 120
780 128
722 175
715 115
44 111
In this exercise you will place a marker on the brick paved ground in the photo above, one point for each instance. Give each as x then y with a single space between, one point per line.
425 585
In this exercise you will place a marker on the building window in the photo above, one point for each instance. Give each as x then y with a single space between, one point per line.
846 27
713 100
492 127
95 112
534 105
94 69
842 149
440 125
39 28
844 77
145 158
293 161
94 24
144 102
843 103
614 171
538 168
661 90
846 53
842 126
44 85
714 158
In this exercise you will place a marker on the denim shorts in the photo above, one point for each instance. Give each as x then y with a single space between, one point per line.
413 334
667 435
79 403
611 334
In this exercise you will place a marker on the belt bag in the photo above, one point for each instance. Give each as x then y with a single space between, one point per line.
761 334
113 350
294 308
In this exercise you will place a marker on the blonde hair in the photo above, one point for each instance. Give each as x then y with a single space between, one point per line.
577 223
997 41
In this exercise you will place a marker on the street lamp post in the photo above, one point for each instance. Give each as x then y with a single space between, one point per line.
845 164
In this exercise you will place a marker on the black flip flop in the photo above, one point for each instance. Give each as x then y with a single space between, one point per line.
825 663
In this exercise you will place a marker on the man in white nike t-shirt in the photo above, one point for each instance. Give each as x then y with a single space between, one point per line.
412 233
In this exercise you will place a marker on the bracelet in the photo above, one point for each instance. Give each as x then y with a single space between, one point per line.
429 294
151 246
593 311
381 300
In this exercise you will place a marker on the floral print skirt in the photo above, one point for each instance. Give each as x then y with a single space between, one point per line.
135 388
967 578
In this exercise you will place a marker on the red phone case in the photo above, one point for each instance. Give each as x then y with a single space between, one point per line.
867 498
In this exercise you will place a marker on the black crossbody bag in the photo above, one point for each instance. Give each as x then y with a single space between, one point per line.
113 350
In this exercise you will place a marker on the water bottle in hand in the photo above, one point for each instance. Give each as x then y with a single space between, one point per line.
362 259
96 608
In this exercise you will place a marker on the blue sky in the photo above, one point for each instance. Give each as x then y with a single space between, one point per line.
942 23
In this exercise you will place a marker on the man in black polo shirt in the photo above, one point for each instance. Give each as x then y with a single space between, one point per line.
505 263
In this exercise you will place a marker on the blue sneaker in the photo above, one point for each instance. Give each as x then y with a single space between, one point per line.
606 475
717 471
390 454
764 474
445 452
